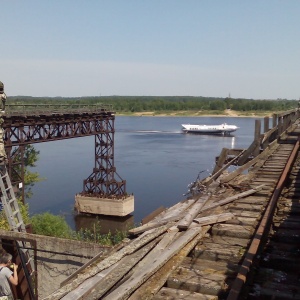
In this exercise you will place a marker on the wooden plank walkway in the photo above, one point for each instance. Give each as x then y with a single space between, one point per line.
194 249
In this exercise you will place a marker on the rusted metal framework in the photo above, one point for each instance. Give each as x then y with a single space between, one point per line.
102 181
29 124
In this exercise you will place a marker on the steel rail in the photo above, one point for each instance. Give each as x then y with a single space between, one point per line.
262 229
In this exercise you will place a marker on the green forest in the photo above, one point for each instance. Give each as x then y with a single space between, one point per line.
133 104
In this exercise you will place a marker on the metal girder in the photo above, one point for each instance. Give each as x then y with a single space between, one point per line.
21 130
37 129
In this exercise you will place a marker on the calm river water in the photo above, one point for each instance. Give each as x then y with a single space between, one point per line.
155 158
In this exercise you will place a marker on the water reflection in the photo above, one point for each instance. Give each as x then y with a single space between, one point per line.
103 224
233 143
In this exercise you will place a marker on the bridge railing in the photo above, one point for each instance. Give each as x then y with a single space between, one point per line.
50 109
281 123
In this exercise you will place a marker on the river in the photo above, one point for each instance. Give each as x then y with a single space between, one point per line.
155 158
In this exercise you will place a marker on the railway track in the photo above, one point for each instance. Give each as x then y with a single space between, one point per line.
277 273
218 266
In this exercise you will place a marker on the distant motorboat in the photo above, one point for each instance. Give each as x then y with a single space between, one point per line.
224 129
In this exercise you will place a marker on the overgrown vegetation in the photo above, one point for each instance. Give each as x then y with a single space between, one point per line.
30 158
24 212
56 226
94 235
52 225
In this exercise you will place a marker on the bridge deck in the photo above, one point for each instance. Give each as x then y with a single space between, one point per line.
195 249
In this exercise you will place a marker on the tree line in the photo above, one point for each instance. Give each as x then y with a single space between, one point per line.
168 103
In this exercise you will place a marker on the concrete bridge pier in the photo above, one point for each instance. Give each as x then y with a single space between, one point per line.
105 206
104 191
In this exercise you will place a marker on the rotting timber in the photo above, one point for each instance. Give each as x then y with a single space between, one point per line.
206 246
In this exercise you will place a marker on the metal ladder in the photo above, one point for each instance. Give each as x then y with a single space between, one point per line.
15 221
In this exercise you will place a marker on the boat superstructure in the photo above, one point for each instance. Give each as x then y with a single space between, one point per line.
224 129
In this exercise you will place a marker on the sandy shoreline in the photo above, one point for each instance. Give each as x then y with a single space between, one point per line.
226 113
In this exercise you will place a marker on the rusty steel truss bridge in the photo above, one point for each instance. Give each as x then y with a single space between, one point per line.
26 124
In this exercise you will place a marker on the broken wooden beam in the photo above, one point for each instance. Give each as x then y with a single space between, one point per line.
136 244
172 215
192 213
141 275
232 198
214 219
148 289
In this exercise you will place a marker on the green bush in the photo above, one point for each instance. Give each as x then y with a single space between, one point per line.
50 225
24 212
94 235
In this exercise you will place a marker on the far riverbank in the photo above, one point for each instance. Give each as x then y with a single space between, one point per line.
225 113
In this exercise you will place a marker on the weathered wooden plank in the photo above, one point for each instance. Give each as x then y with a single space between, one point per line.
247 207
243 221
248 152
214 219
220 170
149 289
153 225
257 136
266 180
168 238
245 213
268 134
252 200
165 241
244 232
109 261
106 279
139 277
192 213
213 285
171 216
221 160
232 198
227 241
219 266
175 210
178 294
216 252
97 257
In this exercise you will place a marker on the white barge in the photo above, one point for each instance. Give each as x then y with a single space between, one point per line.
224 129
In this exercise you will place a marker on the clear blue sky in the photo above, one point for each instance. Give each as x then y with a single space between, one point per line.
249 48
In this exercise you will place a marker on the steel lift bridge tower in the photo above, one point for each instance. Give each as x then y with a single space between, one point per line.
104 191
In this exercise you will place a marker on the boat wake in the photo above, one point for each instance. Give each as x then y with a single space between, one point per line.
153 131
